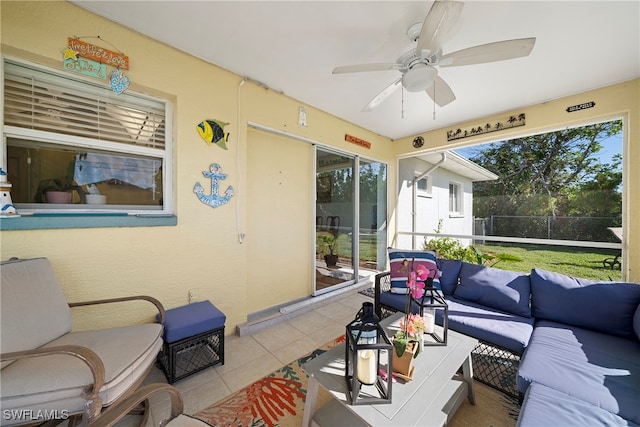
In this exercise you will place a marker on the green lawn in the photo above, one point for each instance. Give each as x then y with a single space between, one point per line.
577 262
572 261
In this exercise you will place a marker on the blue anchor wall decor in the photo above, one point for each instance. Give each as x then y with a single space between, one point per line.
213 200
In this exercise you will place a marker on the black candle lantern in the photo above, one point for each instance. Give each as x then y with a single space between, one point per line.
367 348
431 301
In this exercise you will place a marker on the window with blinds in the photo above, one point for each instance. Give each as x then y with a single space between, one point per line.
35 99
78 136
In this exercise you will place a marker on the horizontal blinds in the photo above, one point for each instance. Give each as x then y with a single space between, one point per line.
36 99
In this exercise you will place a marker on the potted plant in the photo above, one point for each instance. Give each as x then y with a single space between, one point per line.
407 344
407 341
53 190
329 245
59 190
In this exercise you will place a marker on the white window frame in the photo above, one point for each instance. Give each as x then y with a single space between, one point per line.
428 191
84 85
458 193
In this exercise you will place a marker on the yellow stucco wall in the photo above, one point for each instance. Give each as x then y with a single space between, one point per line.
617 101
203 250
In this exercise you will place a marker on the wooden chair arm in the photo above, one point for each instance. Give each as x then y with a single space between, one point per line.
91 393
152 300
382 284
115 412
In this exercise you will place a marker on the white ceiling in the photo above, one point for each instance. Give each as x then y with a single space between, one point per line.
292 47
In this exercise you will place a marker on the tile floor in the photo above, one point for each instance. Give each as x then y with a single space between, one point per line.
254 356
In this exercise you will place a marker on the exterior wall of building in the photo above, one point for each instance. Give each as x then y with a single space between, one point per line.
432 207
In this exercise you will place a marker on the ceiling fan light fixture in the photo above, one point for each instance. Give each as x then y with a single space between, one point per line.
419 78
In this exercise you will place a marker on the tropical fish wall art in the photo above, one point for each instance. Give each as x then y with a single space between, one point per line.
212 131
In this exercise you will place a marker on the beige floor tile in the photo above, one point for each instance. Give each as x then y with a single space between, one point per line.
295 350
204 395
278 336
330 332
196 380
239 351
338 312
355 301
242 376
309 322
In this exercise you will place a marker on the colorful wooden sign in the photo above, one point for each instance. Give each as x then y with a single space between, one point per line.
357 141
86 67
100 54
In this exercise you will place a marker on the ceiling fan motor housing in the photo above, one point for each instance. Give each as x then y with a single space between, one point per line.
419 78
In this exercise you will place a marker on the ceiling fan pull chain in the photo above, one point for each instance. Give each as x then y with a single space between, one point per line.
402 103
434 100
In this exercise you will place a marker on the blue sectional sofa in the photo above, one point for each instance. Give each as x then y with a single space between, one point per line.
578 340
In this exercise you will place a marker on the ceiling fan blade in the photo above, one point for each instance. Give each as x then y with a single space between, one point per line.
383 66
490 52
373 104
441 92
438 26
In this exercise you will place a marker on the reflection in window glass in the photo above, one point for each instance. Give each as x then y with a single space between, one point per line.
64 175
455 198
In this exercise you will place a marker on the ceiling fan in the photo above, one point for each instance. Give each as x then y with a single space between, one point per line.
418 61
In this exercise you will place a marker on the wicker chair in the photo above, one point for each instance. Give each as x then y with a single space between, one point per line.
50 372
175 417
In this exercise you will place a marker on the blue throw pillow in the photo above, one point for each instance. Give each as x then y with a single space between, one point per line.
449 271
399 271
636 322
608 307
507 291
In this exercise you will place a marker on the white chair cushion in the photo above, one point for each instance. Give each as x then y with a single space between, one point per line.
127 353
33 309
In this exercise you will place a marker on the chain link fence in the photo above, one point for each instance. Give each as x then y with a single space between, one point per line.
593 229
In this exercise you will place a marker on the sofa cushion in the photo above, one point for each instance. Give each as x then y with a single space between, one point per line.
507 291
544 406
636 322
31 286
397 302
598 368
602 306
449 272
399 271
502 329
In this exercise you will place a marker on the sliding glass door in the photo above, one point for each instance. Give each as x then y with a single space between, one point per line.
350 222
334 220
373 216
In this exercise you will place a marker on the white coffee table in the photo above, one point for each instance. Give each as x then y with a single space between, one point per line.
430 399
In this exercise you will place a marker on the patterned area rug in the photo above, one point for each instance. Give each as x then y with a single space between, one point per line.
277 400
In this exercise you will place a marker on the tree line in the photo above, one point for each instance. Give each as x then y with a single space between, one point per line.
558 175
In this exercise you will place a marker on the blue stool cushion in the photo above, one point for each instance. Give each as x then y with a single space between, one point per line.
190 320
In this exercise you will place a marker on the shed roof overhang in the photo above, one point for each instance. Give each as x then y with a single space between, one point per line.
459 165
